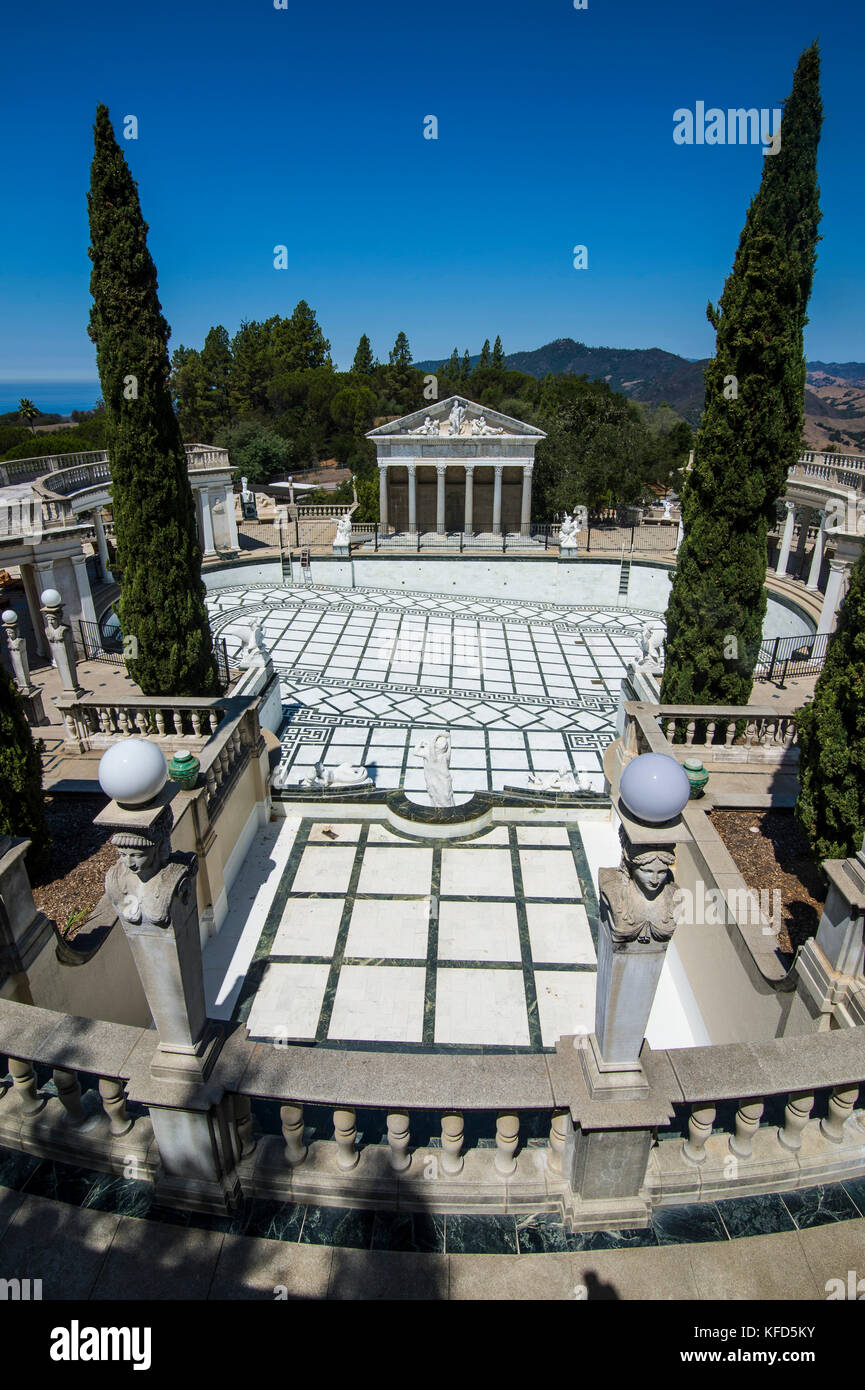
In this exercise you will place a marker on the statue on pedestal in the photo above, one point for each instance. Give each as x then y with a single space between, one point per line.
147 880
342 539
436 756
571 528
247 502
652 640
254 652
638 900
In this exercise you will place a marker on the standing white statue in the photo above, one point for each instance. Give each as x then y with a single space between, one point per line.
571 528
652 641
667 509
457 415
343 532
436 755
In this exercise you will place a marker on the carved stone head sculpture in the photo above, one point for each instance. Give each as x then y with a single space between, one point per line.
638 899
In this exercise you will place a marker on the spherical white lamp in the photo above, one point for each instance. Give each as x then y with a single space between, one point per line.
654 788
51 598
9 616
132 772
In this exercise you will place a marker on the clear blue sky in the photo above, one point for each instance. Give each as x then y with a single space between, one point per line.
304 126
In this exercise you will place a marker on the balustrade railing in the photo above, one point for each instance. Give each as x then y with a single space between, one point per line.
724 733
92 720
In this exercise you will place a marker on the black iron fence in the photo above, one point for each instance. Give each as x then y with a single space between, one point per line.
604 533
96 642
791 656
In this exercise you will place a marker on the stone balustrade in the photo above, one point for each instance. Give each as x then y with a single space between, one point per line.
355 1127
93 722
722 733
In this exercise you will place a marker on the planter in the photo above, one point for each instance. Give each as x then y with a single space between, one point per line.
183 769
696 775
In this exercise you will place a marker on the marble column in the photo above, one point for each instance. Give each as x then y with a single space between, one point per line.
786 539
232 517
206 523
412 497
102 548
497 499
441 468
834 594
382 495
806 518
82 584
468 524
817 555
526 511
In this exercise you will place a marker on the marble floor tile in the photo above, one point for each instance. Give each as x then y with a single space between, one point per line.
560 933
549 873
308 927
379 1003
288 1002
481 1007
556 835
479 872
396 870
324 870
478 931
566 1003
387 928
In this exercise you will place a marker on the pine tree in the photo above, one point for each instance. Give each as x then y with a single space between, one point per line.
22 811
498 354
751 428
831 804
485 359
299 343
216 365
162 595
452 369
465 368
364 362
400 354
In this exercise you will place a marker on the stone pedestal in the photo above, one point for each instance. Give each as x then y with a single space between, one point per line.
831 967
24 931
31 695
61 643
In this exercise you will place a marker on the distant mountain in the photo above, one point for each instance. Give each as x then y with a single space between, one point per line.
834 400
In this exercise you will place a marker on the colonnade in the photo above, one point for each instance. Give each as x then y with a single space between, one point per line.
468 515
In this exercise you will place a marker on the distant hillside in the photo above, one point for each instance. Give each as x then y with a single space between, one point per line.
834 400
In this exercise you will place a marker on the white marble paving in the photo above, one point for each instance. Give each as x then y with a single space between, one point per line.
406 869
478 931
476 1007
549 873
566 1003
288 1002
324 870
380 1003
399 931
476 873
559 933
308 927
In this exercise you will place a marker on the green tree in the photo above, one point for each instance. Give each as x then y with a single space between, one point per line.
498 354
465 368
252 367
162 595
28 412
831 804
22 810
188 392
216 365
364 363
595 449
485 359
403 384
751 428
298 343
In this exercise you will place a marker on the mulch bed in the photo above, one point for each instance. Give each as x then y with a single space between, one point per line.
80 858
770 851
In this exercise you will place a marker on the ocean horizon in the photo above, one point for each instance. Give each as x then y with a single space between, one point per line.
52 397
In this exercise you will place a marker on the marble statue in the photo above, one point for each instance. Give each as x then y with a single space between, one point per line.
667 509
332 778
248 505
254 652
565 780
147 880
652 641
456 417
480 426
571 527
429 426
436 756
638 900
343 532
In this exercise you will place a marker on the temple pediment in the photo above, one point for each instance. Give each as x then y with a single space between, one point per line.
456 418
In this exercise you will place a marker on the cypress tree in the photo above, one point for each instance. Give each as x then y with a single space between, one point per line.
485 359
751 428
831 804
162 595
498 354
364 362
22 811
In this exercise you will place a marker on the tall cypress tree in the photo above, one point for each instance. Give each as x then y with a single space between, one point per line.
162 595
498 354
751 429
364 362
22 811
831 804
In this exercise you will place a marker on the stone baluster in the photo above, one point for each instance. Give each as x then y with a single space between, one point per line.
452 1143
24 1083
141 723
159 716
507 1139
747 1123
210 779
796 1113
243 1124
841 1103
69 1094
751 733
122 721
730 734
398 1138
670 730
291 1117
114 1105
690 731
345 1134
710 731
196 722
558 1137
699 1128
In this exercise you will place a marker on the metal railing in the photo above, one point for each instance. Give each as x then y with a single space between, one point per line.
791 656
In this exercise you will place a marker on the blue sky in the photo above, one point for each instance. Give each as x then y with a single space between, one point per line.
304 127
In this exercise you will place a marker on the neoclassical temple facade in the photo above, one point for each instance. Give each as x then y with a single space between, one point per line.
456 466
